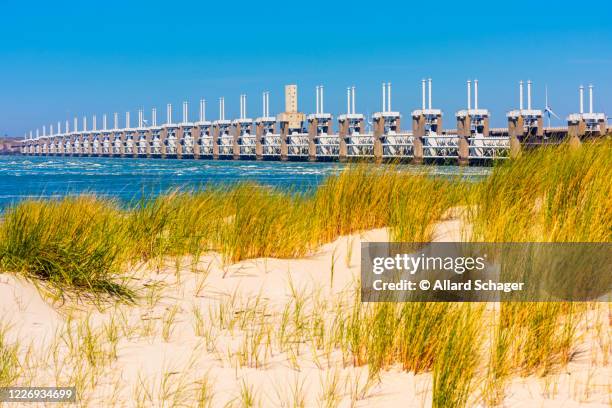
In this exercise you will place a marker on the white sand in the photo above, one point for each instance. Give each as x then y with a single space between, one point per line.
144 360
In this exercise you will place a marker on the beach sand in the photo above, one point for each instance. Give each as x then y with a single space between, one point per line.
161 364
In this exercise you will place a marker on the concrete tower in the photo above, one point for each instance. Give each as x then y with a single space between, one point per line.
291 121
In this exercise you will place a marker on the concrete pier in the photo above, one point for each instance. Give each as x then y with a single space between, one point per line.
525 125
473 129
583 124
427 128
244 138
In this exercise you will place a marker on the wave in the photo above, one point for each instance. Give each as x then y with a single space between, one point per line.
125 179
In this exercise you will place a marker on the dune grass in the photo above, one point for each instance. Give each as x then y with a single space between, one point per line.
247 220
458 357
71 243
85 244
549 195
9 362
554 194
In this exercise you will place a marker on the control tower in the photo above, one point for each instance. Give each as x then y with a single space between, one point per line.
291 121
471 123
583 124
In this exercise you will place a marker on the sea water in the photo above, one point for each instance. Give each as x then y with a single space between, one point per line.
129 179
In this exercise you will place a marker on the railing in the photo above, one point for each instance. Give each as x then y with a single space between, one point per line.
187 144
327 146
271 144
106 147
171 145
128 147
142 146
247 145
297 145
226 144
156 145
398 145
489 147
117 147
206 145
361 145
441 147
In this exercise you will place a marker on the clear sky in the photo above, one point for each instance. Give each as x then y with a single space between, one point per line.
61 59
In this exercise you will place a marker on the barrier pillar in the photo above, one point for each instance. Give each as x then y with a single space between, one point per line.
418 131
259 134
313 124
284 135
236 141
379 130
464 131
215 142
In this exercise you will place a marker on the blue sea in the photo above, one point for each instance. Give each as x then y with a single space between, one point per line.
128 179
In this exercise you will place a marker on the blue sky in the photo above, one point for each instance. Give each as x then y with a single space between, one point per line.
61 59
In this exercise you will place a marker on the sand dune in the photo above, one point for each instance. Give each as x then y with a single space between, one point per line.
160 338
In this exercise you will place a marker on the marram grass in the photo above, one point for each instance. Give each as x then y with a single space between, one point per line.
551 194
85 244
9 362
71 243
556 194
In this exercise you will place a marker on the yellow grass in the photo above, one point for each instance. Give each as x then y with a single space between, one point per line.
85 244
